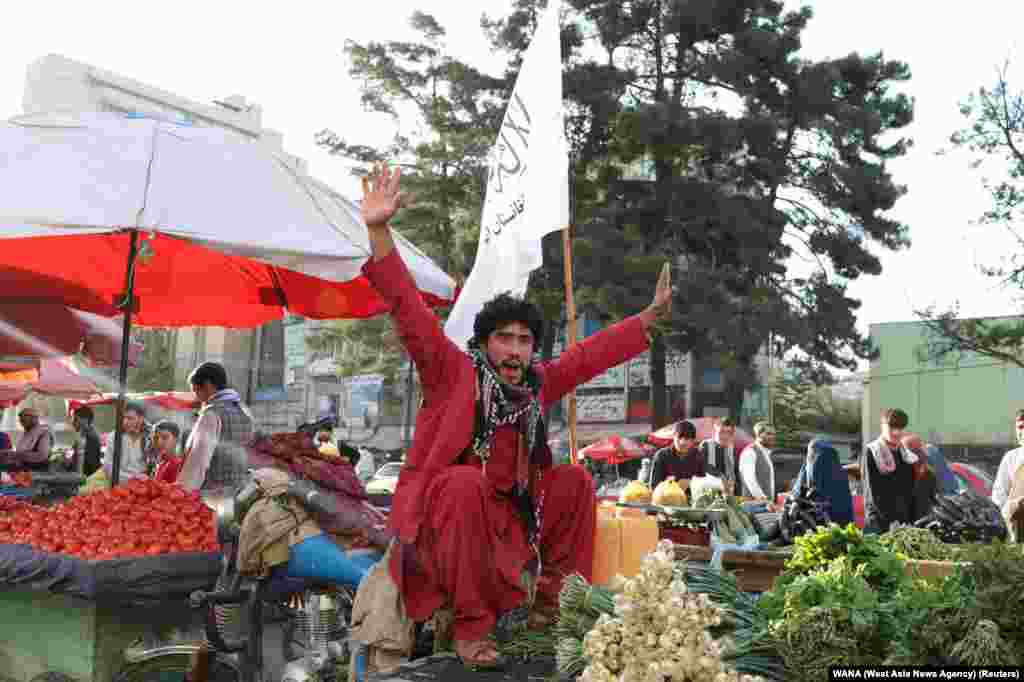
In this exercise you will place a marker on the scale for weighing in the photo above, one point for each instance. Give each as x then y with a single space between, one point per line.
46 486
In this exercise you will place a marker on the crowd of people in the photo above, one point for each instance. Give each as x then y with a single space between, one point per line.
482 521
900 473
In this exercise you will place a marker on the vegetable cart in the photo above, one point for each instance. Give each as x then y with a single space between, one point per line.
82 581
77 618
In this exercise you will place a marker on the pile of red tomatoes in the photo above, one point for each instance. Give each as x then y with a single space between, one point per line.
135 519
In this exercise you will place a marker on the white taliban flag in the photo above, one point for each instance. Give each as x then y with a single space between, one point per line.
528 183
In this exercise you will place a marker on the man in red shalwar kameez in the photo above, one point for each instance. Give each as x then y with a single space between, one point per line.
479 508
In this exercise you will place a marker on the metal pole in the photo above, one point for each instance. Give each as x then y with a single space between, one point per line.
128 305
570 313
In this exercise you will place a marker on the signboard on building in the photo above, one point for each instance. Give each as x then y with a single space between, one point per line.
363 395
607 406
294 346
323 367
677 369
613 378
270 376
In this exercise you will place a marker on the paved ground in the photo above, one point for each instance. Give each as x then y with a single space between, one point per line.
447 668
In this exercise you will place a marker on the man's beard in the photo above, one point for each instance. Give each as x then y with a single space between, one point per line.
515 366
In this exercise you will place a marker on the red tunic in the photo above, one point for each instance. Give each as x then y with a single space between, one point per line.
168 469
466 544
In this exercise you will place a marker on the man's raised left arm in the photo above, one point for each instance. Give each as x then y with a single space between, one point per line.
608 348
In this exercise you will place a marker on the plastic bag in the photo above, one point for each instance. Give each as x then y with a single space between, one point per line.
98 481
700 484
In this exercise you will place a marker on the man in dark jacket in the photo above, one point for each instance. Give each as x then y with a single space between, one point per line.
88 449
681 460
887 469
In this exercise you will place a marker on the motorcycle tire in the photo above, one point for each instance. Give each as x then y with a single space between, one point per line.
173 667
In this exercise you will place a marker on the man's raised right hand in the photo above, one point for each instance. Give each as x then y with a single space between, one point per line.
381 196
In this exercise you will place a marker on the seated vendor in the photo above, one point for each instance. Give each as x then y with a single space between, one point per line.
681 460
33 450
822 472
166 435
887 469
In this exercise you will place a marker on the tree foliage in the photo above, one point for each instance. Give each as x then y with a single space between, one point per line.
156 366
448 116
948 337
367 346
799 405
700 135
994 136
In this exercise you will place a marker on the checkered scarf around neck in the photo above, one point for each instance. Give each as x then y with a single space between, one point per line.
502 404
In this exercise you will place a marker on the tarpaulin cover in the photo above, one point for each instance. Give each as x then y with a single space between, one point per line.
180 401
354 510
168 577
230 232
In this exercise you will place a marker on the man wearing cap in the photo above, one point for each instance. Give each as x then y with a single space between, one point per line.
33 451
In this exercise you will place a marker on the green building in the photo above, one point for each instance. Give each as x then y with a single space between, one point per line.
963 403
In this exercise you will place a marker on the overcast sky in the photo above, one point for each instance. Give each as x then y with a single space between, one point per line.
288 58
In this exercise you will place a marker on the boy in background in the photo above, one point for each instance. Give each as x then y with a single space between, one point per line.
166 435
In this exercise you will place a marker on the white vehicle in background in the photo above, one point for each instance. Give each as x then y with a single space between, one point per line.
385 480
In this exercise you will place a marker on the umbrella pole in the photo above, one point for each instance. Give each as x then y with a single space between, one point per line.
126 333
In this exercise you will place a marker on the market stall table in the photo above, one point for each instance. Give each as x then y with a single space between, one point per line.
77 617
756 570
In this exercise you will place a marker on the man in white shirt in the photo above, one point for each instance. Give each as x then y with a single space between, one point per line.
216 459
1012 462
757 472
720 454
137 457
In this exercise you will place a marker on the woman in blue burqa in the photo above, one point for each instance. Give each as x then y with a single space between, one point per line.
822 471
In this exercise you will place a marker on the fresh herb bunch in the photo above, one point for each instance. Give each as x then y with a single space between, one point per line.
997 574
879 566
917 543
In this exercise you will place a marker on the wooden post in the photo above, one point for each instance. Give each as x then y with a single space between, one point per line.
570 334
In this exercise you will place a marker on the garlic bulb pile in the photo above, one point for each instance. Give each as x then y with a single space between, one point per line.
659 633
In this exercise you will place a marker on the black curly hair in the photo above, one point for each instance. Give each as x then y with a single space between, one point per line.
501 310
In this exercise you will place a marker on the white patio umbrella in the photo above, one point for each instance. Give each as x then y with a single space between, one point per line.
191 225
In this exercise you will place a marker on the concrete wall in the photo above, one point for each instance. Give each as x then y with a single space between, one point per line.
967 402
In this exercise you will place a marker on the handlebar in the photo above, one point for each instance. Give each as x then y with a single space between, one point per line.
199 598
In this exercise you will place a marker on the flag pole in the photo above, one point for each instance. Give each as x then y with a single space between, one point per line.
570 334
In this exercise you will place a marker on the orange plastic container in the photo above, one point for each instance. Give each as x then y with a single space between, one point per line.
620 544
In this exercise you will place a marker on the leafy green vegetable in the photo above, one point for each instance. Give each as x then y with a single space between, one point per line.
917 543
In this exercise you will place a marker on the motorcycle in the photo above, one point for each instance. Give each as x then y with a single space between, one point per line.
316 614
